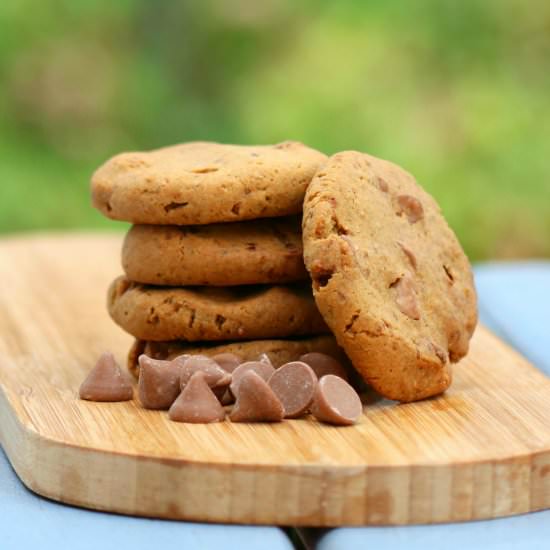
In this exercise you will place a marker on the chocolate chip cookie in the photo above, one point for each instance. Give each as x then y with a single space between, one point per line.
389 276
200 183
207 313
241 253
278 351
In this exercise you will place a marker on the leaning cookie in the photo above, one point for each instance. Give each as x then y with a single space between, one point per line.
279 351
208 313
200 183
259 251
389 275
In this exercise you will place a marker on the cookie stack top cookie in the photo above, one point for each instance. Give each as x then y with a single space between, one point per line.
203 183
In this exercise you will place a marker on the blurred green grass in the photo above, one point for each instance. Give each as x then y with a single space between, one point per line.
456 92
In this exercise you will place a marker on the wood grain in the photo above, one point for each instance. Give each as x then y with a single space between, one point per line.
482 450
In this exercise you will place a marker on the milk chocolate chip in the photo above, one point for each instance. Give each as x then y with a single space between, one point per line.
256 401
294 384
405 296
106 382
260 368
227 361
215 376
264 358
227 398
426 347
336 402
382 184
409 253
411 207
180 359
159 382
197 403
322 364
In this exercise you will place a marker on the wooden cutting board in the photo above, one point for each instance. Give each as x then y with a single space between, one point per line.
482 450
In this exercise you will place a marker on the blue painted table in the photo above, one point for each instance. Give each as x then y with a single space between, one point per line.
514 302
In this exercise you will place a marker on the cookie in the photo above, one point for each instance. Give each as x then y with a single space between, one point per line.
207 313
241 253
200 183
278 351
389 276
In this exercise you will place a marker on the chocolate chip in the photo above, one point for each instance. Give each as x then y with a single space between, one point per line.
256 401
264 358
227 398
323 364
411 207
197 403
382 184
359 255
159 382
262 369
294 384
405 296
215 375
106 382
227 361
179 359
336 402
409 253
217 378
425 346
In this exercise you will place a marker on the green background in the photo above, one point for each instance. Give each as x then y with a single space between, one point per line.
457 92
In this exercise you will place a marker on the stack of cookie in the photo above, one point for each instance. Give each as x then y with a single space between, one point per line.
214 260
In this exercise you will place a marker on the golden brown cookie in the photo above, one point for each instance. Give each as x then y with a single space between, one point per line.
389 275
200 183
207 313
241 253
278 351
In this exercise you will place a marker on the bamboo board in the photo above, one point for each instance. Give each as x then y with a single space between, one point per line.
482 450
